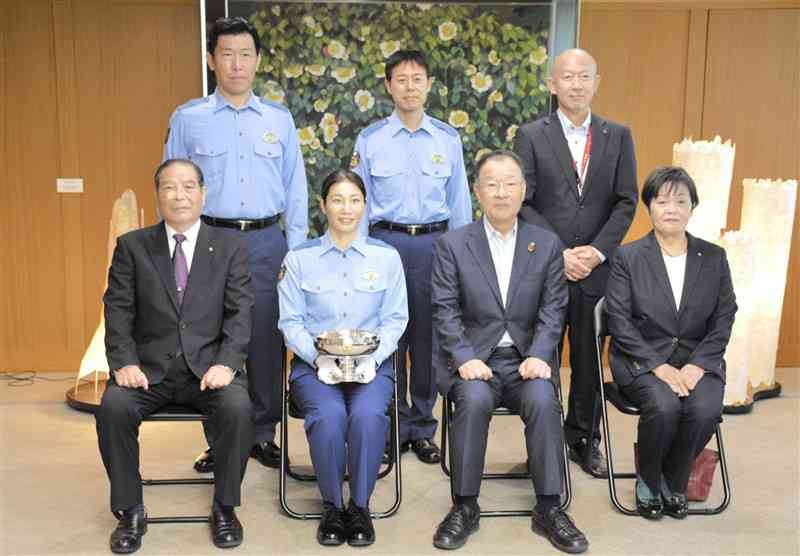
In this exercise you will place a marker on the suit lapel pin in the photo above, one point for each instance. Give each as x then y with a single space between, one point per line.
532 247
605 131
699 254
210 249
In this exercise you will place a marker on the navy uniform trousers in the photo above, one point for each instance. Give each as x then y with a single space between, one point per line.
346 425
266 249
536 401
121 412
416 252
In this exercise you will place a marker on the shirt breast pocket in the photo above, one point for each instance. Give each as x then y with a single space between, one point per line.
388 180
268 159
211 157
320 299
369 293
436 176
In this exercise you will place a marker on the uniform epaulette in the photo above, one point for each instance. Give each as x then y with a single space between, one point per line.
266 102
373 127
316 242
450 130
194 102
377 242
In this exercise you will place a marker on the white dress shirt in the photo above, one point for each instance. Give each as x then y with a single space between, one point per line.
502 250
189 243
676 271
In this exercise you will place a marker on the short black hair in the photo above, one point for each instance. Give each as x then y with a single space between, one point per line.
492 155
231 26
172 161
668 178
338 176
415 56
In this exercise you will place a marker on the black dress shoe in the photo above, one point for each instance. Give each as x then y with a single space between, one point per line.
648 508
358 526
331 527
204 463
426 450
589 457
127 537
676 506
226 529
559 529
268 454
458 525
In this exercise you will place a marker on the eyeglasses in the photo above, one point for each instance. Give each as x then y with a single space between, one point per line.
494 187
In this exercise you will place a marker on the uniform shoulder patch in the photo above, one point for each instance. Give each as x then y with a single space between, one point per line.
266 102
282 272
194 102
450 130
377 243
373 127
308 244
355 160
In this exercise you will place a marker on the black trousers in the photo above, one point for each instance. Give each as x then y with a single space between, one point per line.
535 400
673 430
122 410
584 380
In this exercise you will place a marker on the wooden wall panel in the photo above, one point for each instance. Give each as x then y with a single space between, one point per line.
752 95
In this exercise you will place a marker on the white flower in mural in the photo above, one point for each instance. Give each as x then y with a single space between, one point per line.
511 132
471 70
538 56
274 93
443 91
447 31
389 47
481 82
458 118
481 153
329 133
276 10
328 120
364 100
495 97
317 70
309 22
424 7
306 135
321 104
380 70
295 70
335 49
343 75
315 144
494 59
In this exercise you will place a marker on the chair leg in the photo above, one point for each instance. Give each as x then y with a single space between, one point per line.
726 485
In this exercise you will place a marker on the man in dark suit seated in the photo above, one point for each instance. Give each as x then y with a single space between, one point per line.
177 312
499 299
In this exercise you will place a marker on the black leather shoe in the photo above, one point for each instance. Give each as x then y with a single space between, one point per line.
127 537
559 529
226 529
590 458
204 463
268 454
331 527
461 521
358 526
648 508
676 506
426 450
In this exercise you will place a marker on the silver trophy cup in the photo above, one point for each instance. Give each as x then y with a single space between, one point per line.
346 346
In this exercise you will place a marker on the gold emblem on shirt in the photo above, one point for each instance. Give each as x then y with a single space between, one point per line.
269 137
532 247
355 160
437 158
371 275
282 272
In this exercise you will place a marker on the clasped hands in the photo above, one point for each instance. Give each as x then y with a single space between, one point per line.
131 376
328 370
532 367
579 262
682 381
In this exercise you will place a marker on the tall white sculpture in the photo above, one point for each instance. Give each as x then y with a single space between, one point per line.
768 208
710 163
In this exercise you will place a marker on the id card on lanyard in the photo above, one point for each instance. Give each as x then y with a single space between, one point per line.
581 172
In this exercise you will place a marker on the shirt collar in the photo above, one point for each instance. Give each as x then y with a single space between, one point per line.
221 102
567 124
359 244
396 124
491 232
191 233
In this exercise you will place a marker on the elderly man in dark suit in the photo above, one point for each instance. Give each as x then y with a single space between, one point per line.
580 171
177 313
499 297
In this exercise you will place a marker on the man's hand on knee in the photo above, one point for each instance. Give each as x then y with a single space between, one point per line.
533 367
475 369
131 376
217 376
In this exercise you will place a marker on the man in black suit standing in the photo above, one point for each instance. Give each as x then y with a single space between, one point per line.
499 297
580 171
177 312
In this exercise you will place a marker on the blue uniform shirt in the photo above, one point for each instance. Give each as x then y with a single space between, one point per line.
250 157
323 288
413 178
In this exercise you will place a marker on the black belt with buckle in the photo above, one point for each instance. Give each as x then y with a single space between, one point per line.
241 224
412 229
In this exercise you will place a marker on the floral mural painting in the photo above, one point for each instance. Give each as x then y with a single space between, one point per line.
325 62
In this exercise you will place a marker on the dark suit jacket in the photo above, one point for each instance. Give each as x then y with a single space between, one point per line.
601 216
468 315
144 324
646 327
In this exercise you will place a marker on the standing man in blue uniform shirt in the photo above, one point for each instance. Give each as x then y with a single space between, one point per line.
413 168
248 150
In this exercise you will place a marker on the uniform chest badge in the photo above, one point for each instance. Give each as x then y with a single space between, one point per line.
437 158
281 272
355 160
370 275
532 247
269 138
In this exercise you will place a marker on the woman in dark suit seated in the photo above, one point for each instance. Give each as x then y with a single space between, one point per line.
670 306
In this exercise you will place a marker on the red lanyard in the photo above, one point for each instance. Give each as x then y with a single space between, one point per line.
587 149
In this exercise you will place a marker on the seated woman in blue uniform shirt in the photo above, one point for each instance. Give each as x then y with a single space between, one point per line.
343 280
